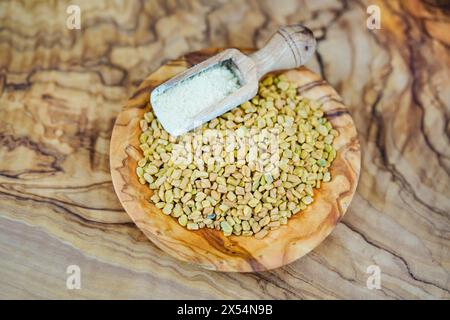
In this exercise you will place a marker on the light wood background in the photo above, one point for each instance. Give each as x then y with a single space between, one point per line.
60 91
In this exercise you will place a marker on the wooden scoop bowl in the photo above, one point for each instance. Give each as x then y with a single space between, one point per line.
207 247
290 47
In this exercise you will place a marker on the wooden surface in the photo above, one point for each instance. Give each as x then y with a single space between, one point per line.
62 89
209 248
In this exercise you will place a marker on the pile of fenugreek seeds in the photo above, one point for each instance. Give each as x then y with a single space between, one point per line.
246 172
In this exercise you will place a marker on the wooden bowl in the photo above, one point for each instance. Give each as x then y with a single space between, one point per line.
208 247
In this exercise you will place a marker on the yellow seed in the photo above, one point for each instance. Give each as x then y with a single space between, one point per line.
192 226
307 200
151 169
167 208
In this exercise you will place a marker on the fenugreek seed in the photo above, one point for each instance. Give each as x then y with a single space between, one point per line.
215 195
221 181
240 191
322 130
155 198
273 193
148 116
294 179
207 221
143 124
177 211
231 196
212 176
195 215
228 203
307 200
167 210
322 162
168 196
253 202
206 184
140 171
229 170
206 203
291 205
332 155
274 217
283 85
226 227
176 174
270 200
256 227
274 224
148 178
182 220
159 181
230 220
200 196
142 162
192 226
222 189
151 169
261 234
247 211
264 221
232 181
186 197
208 210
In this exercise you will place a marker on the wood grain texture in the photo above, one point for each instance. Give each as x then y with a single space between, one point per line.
60 91
209 248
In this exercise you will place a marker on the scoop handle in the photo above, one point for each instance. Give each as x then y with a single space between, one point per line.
290 47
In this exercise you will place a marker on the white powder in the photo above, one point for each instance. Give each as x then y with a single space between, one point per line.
176 105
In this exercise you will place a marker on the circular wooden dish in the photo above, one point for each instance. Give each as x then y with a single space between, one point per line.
208 247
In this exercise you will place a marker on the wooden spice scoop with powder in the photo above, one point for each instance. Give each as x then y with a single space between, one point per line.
224 81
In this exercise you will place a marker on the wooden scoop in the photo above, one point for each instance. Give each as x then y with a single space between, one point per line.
290 47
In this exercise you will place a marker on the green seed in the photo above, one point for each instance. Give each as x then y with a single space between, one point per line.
167 208
226 228
192 226
139 171
182 220
322 130
283 85
322 162
148 178
307 200
151 169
